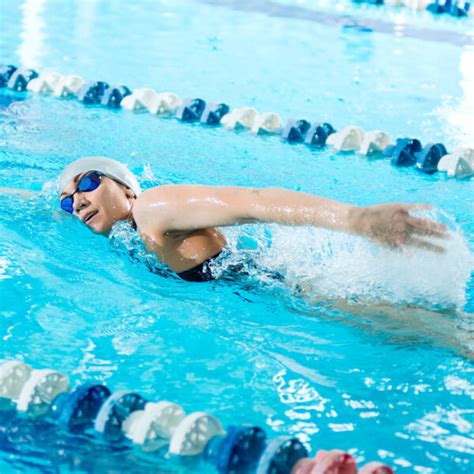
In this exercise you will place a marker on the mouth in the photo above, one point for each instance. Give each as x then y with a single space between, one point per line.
89 216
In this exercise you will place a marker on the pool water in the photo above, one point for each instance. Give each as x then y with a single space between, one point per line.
389 376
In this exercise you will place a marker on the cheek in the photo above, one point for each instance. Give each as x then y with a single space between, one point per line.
112 202
102 199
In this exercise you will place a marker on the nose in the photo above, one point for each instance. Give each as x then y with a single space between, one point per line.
80 202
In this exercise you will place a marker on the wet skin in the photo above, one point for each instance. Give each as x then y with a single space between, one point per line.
178 223
112 202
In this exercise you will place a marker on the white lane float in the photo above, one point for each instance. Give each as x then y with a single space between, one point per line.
243 117
413 4
193 433
13 376
459 164
148 99
267 122
166 103
45 83
374 141
348 139
154 425
68 86
140 100
40 390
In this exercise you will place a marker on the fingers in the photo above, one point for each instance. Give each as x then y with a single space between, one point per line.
376 468
334 461
427 227
422 244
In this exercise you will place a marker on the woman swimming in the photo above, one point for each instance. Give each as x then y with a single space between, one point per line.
179 223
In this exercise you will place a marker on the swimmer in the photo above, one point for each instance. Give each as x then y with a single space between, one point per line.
180 223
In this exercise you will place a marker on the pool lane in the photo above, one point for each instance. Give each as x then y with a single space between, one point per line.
272 8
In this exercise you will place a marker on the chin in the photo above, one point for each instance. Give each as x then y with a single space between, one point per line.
100 229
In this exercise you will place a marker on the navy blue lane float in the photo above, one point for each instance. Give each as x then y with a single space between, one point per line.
427 159
281 455
92 92
405 152
115 411
114 95
318 134
239 450
213 113
372 2
295 130
75 412
20 79
191 110
301 131
6 72
456 8
451 7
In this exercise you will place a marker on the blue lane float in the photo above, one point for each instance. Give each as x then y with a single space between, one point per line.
453 8
114 412
440 6
281 455
191 110
114 95
456 8
75 412
403 152
460 9
296 131
92 92
427 159
20 78
371 2
237 451
213 113
6 71
318 134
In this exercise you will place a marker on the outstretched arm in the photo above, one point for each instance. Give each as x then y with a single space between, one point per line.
187 208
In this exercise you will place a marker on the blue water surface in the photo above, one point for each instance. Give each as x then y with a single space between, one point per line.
390 378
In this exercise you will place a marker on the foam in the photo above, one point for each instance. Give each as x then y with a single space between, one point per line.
336 265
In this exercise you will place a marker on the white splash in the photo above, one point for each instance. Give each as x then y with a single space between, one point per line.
336 265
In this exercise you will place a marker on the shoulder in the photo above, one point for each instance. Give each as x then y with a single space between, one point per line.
153 205
165 191
147 198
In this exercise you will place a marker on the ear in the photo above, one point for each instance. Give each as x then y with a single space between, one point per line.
129 193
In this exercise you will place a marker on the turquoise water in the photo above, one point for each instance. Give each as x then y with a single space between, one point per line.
389 382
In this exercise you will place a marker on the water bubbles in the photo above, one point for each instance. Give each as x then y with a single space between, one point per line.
326 264
126 241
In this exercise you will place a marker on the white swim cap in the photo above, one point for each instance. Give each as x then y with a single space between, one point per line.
111 168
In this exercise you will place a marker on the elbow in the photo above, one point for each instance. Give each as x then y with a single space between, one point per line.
259 203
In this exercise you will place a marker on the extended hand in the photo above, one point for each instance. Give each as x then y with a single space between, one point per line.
392 225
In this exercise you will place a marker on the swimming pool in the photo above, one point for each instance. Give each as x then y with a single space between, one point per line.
395 385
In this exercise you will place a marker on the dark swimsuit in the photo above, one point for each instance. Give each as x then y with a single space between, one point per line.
201 272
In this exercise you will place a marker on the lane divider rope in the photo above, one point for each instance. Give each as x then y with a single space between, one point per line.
456 8
92 410
404 152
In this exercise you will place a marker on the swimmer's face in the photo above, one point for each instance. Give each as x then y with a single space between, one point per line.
101 208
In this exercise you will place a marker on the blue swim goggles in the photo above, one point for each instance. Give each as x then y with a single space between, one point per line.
89 182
